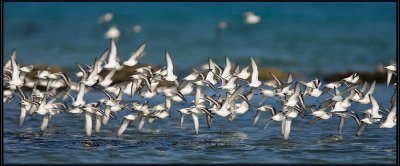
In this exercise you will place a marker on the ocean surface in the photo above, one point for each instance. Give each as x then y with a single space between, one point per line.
311 38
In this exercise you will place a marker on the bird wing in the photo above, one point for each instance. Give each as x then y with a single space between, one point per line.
254 74
170 66
138 52
113 52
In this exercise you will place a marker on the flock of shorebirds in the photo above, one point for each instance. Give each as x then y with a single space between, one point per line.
233 89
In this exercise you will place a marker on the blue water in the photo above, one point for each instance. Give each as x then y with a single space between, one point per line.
313 38
226 141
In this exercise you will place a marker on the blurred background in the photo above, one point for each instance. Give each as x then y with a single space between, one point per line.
310 38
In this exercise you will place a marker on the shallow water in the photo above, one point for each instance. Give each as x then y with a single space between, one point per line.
226 141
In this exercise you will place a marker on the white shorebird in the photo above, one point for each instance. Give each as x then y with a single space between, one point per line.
331 86
391 70
285 116
338 96
263 109
112 57
197 109
113 105
243 107
127 119
43 73
106 81
352 79
244 73
172 94
136 28
290 114
102 60
211 73
48 109
391 118
312 88
371 116
183 112
360 93
342 106
222 25
266 93
36 94
223 110
251 18
320 114
79 101
281 89
214 67
358 122
7 95
98 63
287 124
170 68
312 84
90 109
186 87
137 80
93 77
374 110
149 92
107 17
277 117
15 76
340 109
25 105
230 84
24 70
226 72
134 56
294 98
366 100
98 114
362 124
82 73
143 112
197 78
112 33
7 65
254 83
150 113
